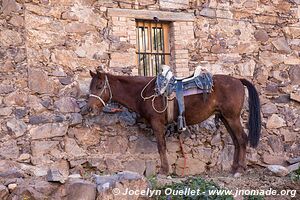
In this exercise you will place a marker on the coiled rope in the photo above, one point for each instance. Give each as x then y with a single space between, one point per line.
153 97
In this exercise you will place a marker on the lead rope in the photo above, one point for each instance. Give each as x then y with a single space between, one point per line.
159 111
109 89
153 96
184 155
146 98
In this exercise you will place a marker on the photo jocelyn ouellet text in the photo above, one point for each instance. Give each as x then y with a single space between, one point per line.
196 192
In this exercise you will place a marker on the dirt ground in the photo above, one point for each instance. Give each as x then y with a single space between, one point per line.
257 179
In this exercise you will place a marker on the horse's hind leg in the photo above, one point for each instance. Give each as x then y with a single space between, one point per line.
236 145
241 139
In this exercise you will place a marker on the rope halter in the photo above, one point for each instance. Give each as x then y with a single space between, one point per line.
106 86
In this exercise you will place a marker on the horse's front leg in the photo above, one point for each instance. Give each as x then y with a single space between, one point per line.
159 132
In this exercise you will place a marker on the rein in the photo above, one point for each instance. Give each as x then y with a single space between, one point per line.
106 86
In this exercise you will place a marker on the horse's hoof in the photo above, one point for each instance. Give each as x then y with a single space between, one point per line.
234 170
237 175
164 172
161 176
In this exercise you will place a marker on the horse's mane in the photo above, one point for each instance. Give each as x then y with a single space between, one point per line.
135 79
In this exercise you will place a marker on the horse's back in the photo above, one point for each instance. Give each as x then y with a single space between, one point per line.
227 97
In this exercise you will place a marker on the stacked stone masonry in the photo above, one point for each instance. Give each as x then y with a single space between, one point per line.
48 48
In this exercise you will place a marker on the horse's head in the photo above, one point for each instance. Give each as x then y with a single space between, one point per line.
100 92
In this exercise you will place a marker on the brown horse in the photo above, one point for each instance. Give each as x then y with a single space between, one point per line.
226 100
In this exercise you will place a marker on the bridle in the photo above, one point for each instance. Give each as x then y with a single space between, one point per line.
106 86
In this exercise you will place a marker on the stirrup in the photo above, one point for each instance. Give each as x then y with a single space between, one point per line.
181 125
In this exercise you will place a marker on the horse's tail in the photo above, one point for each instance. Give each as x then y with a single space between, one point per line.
254 123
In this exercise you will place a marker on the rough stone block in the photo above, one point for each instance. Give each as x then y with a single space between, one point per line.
80 189
49 130
6 111
85 136
136 166
10 37
54 175
18 127
179 4
208 12
77 27
9 150
4 193
5 89
41 148
150 168
72 148
67 105
281 45
193 167
38 81
273 159
295 97
275 121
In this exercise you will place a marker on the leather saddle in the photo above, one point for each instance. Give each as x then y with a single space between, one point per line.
167 84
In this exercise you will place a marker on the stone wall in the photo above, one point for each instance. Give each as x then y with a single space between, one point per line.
258 40
48 48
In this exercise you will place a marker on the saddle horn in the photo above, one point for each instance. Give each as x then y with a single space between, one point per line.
100 69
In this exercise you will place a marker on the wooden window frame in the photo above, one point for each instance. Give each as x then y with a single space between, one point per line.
152 54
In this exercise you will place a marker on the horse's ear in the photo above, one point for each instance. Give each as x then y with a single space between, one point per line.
98 73
92 73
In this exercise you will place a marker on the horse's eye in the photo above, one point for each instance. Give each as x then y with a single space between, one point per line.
98 87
